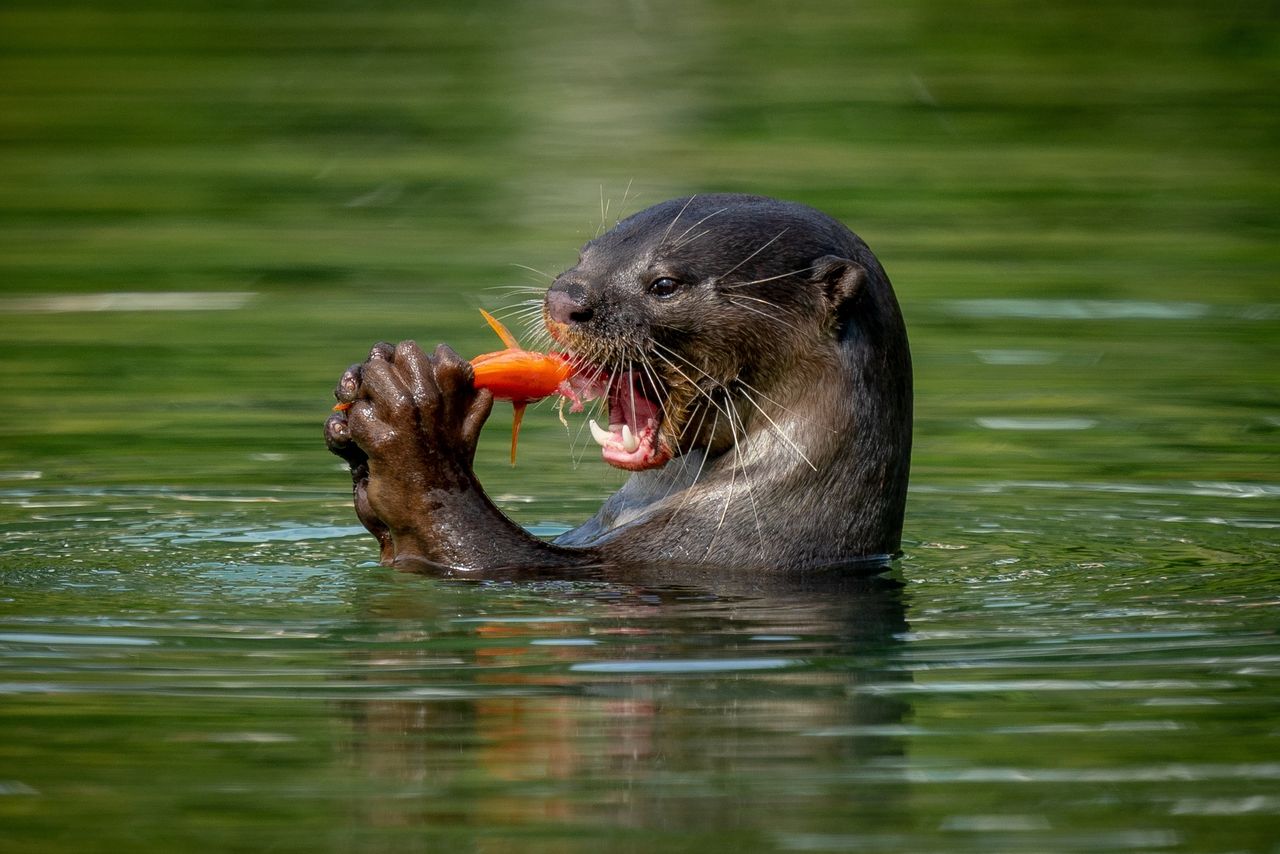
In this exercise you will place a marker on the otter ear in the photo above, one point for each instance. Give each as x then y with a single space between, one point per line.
840 278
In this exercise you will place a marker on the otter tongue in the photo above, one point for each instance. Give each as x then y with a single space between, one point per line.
630 441
629 407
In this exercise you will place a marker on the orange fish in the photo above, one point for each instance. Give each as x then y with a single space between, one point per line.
520 376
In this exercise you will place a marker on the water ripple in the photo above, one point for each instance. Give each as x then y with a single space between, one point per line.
1038 685
1210 489
1080 309
718 665
63 640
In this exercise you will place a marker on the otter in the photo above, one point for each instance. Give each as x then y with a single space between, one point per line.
752 362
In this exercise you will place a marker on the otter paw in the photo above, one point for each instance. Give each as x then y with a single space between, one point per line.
337 438
416 420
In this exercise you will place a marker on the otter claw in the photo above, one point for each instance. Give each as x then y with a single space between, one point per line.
337 438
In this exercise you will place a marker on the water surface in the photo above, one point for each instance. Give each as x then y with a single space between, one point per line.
209 213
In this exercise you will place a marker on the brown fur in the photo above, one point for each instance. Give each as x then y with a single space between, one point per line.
782 362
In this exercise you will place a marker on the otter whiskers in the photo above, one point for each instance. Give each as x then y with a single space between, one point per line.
734 302
747 391
680 241
808 269
673 222
541 273
762 247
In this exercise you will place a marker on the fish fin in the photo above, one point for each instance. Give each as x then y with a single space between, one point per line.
517 416
496 325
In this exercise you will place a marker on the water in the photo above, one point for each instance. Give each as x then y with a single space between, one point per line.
1063 667
207 215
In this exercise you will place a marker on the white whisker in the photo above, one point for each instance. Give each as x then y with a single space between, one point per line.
696 237
750 488
672 225
808 269
679 241
779 431
625 193
544 275
771 317
763 247
696 475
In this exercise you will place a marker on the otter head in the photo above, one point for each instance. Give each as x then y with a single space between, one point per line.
689 315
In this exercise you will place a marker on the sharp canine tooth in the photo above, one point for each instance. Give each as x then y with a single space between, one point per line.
598 433
629 440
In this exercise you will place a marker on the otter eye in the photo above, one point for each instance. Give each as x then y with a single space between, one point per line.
664 287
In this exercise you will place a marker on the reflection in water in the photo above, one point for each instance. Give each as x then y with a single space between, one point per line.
615 720
1088 666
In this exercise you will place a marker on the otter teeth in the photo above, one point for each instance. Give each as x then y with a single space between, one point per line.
598 433
609 438
629 440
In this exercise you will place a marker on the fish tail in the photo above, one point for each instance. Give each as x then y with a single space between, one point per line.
517 417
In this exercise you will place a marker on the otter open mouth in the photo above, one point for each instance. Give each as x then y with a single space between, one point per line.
635 405
631 442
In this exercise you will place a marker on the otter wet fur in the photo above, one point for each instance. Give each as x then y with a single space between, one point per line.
751 366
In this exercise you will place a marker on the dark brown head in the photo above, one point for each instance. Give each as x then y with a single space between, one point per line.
687 306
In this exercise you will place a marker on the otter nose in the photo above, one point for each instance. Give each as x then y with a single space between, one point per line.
567 304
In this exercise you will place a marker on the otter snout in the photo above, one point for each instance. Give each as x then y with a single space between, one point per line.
567 303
